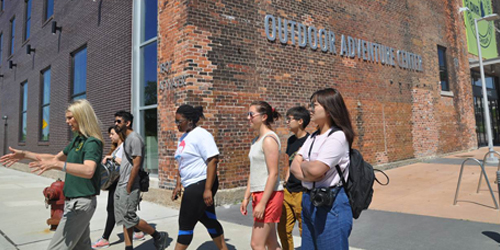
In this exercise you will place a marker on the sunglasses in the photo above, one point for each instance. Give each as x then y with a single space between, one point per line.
179 121
252 114
118 121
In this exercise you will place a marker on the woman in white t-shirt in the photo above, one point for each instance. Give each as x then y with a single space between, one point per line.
197 157
325 225
263 184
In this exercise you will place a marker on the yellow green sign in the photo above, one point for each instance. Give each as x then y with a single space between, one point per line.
478 9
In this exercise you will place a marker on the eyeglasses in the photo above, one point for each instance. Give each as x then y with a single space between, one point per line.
118 121
252 114
179 121
288 119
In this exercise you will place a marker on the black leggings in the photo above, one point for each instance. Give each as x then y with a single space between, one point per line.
110 221
194 209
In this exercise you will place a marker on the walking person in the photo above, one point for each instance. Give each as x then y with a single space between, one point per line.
263 183
297 119
197 156
79 160
127 192
327 223
115 154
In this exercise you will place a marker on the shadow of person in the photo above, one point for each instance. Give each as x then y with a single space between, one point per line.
210 245
149 244
493 235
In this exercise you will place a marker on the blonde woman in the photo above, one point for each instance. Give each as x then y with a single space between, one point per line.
79 160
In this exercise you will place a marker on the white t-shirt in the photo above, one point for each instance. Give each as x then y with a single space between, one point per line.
118 152
193 150
332 150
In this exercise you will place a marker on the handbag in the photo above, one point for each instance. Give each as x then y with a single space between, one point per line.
110 172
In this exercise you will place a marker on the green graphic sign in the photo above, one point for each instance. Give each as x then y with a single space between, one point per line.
478 9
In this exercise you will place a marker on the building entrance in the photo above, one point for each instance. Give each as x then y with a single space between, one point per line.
492 90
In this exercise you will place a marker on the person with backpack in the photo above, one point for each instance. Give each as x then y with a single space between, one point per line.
297 119
127 191
115 155
197 156
263 185
326 212
79 160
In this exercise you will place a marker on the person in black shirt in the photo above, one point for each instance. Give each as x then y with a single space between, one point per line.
297 119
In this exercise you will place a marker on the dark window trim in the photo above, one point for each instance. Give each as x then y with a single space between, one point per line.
42 105
445 70
72 75
1 45
22 111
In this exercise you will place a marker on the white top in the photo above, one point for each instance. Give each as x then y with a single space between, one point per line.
332 150
118 152
259 171
193 150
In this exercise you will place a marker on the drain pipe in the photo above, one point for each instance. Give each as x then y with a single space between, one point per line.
5 134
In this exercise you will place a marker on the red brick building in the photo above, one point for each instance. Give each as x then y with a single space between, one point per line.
402 67
223 57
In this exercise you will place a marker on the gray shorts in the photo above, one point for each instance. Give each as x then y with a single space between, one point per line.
126 206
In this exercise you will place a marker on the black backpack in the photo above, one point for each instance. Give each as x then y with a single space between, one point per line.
359 184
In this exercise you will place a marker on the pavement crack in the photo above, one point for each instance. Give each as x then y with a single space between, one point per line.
8 239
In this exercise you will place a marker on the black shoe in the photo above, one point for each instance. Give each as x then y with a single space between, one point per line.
161 243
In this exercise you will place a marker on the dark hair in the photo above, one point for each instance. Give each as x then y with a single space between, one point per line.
114 145
192 114
127 117
333 103
300 113
266 109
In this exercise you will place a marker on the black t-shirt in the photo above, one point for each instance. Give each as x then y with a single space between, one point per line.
293 145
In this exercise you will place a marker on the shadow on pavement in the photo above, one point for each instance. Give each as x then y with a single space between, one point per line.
493 235
210 245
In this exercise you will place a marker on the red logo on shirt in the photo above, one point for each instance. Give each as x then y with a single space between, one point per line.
183 144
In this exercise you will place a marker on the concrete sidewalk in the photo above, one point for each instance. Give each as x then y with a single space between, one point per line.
415 211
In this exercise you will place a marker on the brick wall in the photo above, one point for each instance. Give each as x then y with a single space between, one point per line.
222 49
105 28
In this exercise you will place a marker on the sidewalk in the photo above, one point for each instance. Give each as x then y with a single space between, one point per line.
415 211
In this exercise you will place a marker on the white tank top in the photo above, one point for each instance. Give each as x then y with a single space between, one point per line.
258 168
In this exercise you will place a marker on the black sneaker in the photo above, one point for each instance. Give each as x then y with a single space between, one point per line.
161 243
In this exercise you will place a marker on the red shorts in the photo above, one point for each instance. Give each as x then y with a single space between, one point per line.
272 213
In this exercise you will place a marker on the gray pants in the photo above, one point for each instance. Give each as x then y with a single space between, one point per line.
126 206
73 231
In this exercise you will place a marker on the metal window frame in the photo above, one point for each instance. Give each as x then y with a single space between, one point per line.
443 49
26 19
23 110
42 102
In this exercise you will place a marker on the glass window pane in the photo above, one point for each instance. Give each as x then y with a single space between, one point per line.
150 128
23 128
12 35
28 20
80 72
45 123
1 43
149 76
25 97
46 87
49 8
84 96
149 22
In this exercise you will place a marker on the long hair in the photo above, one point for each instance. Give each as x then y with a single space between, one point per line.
88 123
266 109
114 145
333 103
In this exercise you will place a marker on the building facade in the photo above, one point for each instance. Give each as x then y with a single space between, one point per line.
403 68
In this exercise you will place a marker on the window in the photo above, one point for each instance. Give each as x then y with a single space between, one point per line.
144 97
443 69
1 45
2 5
49 9
45 106
24 112
12 35
27 20
79 77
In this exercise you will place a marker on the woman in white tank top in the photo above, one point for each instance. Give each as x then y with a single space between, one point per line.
263 183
